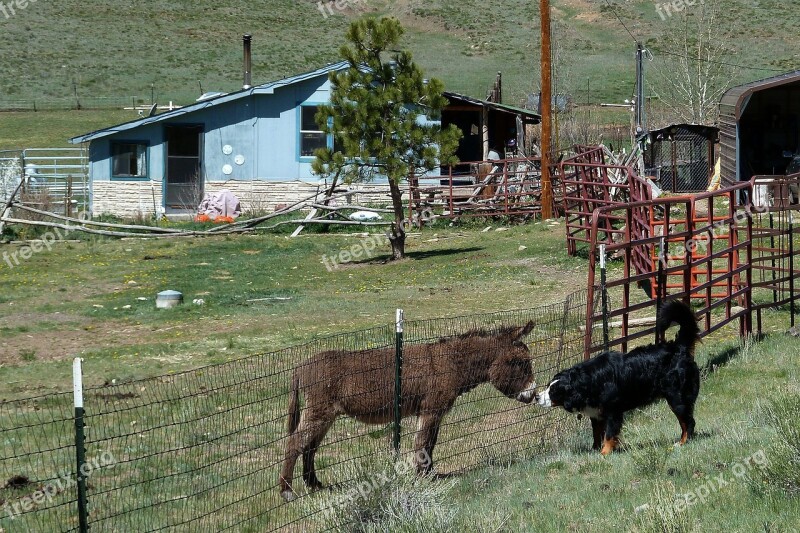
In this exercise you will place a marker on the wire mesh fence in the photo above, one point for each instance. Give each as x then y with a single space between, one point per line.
203 450
72 103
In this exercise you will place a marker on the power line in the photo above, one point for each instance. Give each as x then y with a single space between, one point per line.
716 62
614 10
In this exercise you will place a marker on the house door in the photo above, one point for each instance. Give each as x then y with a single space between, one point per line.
184 183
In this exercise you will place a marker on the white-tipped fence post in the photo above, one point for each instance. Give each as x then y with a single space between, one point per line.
80 448
398 378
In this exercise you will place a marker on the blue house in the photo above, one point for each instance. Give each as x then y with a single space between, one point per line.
258 143
252 141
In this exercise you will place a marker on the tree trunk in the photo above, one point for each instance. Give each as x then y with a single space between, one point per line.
398 235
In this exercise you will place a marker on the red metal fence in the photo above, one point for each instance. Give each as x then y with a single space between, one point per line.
730 252
775 268
588 183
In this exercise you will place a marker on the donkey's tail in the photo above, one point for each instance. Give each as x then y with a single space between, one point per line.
675 311
294 403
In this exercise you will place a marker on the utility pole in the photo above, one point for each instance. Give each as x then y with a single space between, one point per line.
545 103
639 104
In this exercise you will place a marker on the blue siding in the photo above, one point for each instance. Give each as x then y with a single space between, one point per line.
262 128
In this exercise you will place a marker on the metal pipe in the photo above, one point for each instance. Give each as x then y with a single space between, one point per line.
248 60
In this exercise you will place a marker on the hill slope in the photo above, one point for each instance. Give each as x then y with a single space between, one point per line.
110 48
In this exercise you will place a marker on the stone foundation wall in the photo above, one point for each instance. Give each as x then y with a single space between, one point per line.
126 199
129 199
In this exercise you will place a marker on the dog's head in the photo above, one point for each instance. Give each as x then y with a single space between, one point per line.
561 392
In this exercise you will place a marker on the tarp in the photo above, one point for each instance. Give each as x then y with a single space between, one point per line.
222 206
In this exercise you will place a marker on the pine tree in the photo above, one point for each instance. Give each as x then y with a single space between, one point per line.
384 117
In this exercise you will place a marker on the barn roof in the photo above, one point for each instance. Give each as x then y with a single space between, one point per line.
266 88
735 97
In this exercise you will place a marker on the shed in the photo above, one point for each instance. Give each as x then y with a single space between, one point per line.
681 156
485 125
760 127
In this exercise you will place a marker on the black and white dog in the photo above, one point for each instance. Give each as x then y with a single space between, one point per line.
606 387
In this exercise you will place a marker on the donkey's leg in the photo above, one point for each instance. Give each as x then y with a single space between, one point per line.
312 428
430 420
309 470
289 460
425 440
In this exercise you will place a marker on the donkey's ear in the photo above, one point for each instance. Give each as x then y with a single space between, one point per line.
524 330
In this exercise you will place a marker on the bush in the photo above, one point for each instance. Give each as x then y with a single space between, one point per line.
663 515
782 473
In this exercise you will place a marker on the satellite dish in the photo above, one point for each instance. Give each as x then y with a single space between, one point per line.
152 110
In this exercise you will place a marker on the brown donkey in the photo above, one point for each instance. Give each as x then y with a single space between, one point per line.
361 385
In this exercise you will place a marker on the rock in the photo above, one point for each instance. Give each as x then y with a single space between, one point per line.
795 331
522 248
127 306
132 283
199 301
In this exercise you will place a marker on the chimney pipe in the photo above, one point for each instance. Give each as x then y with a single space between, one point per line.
248 81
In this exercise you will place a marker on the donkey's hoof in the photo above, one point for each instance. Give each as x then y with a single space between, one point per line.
288 495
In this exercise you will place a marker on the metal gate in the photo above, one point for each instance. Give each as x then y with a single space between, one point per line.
55 179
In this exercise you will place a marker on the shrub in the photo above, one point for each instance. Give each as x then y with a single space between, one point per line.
782 473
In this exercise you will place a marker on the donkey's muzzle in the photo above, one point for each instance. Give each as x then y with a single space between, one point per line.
527 395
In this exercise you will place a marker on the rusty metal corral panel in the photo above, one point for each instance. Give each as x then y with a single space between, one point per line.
731 107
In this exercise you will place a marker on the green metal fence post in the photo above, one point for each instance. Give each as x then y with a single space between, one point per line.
398 375
80 449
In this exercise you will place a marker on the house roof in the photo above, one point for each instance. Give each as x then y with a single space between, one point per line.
266 88
528 115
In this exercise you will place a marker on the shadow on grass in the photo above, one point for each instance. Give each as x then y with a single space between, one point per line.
720 359
384 259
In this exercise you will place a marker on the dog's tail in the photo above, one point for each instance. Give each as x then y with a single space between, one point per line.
294 403
675 311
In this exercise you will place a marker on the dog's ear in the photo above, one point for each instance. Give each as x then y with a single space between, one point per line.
524 330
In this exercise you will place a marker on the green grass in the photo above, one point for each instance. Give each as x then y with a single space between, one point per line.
96 298
170 49
634 489
52 129
265 292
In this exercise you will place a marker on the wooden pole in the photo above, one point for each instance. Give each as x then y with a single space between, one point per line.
546 101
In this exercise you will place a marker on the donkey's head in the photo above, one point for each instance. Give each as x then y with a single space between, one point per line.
511 372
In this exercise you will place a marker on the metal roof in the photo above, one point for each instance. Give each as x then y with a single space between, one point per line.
731 107
529 115
266 88
735 97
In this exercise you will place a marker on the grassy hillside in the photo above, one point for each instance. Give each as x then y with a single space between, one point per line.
108 48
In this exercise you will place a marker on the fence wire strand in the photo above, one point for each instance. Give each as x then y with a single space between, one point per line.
202 450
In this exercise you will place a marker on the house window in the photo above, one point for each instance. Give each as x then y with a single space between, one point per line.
128 160
311 137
